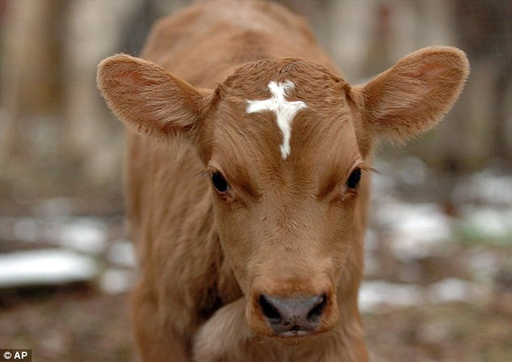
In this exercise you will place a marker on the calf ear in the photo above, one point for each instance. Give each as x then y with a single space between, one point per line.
412 96
148 99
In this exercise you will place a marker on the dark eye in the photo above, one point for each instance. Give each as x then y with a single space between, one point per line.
354 179
219 182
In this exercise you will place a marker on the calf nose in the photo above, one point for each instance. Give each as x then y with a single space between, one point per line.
293 316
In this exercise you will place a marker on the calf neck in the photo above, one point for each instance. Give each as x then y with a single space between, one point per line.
248 162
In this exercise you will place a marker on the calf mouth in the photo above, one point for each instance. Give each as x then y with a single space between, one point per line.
295 332
296 336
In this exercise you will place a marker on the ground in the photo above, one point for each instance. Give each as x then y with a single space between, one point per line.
83 324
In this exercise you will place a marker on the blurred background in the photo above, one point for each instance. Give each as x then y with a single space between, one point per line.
438 283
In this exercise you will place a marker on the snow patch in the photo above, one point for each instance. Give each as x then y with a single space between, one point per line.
375 294
45 267
415 230
122 253
450 290
116 281
84 234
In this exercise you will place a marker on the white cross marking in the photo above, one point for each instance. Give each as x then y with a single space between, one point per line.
285 111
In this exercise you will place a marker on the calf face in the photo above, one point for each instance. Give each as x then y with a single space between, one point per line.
285 144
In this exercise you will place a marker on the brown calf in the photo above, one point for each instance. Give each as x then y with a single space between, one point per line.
247 180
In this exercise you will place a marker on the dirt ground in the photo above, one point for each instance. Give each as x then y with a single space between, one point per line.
82 324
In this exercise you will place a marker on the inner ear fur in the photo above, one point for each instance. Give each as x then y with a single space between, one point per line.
413 95
149 100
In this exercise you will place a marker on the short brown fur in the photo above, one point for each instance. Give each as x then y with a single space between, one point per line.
286 227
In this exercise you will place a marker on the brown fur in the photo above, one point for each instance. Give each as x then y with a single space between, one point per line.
285 227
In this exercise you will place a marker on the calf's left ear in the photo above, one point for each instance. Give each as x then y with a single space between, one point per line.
148 99
413 95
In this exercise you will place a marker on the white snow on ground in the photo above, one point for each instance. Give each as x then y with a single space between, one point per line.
487 222
84 234
45 267
486 187
26 229
451 290
375 294
115 281
414 230
122 253
483 266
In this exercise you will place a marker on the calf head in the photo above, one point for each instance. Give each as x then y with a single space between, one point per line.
285 145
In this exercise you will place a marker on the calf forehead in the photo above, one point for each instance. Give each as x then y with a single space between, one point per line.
312 82
272 112
278 104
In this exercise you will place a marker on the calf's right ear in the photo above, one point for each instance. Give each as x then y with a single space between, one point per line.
149 100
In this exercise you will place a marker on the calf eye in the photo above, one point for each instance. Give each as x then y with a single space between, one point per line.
219 182
354 178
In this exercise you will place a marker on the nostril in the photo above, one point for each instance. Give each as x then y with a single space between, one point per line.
272 314
316 312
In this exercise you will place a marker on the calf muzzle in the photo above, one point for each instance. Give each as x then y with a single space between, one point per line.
289 317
